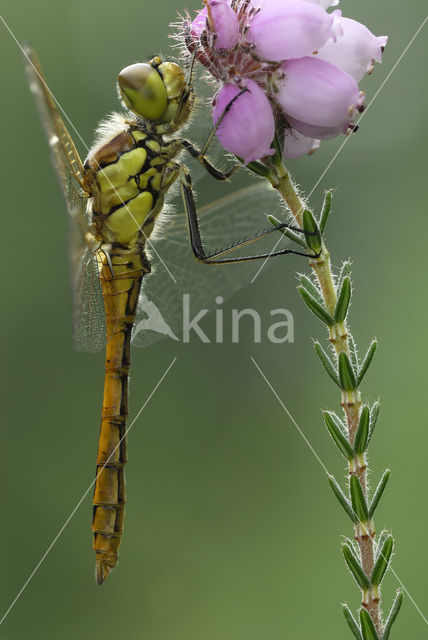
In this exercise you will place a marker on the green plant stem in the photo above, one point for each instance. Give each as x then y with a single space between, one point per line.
351 400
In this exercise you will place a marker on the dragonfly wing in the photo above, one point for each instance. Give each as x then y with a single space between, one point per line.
88 313
89 329
164 307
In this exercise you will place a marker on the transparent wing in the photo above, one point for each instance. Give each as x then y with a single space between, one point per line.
88 313
164 305
89 328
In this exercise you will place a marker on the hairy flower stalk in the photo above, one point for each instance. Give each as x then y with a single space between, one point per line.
348 376
285 76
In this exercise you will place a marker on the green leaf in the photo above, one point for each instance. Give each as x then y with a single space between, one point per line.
326 363
345 271
343 300
351 621
287 232
310 226
393 614
316 307
346 373
340 440
374 414
342 498
379 542
382 562
362 433
256 167
326 209
358 500
379 492
367 361
278 143
311 287
367 626
355 568
353 352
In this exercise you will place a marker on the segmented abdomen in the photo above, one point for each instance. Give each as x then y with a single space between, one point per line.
120 292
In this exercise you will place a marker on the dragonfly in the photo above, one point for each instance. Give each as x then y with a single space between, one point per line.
131 258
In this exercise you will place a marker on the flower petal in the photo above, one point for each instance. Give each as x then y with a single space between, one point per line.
315 131
355 51
283 30
225 22
325 4
198 24
296 144
248 128
318 93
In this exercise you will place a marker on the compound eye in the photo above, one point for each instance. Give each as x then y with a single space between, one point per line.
143 91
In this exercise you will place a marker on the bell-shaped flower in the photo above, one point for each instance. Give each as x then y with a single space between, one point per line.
316 93
248 127
355 51
224 23
296 144
287 29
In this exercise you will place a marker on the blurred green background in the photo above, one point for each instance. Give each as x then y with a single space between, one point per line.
231 529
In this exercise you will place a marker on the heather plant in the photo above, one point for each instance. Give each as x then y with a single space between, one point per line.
284 77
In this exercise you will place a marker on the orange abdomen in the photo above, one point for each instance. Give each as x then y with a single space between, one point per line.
120 292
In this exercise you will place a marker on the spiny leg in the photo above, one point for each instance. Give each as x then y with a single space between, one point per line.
199 154
215 257
207 164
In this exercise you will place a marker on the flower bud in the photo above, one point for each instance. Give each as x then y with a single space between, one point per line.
319 94
355 51
289 29
223 22
226 24
248 127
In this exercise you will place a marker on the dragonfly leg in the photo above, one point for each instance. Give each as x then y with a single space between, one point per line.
199 154
217 256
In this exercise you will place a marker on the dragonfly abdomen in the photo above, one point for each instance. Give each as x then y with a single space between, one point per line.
120 292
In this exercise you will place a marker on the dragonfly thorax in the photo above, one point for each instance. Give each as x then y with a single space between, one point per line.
128 176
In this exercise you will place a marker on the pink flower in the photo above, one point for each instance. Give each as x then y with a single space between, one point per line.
302 70
325 4
198 24
316 130
225 23
248 128
355 51
286 29
296 144
319 94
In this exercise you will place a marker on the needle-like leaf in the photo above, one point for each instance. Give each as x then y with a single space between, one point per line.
327 363
367 626
351 622
393 614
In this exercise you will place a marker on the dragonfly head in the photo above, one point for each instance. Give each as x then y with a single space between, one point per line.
156 91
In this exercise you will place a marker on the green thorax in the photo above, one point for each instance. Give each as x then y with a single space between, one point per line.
129 176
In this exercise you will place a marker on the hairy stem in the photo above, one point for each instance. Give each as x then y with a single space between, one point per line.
350 400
